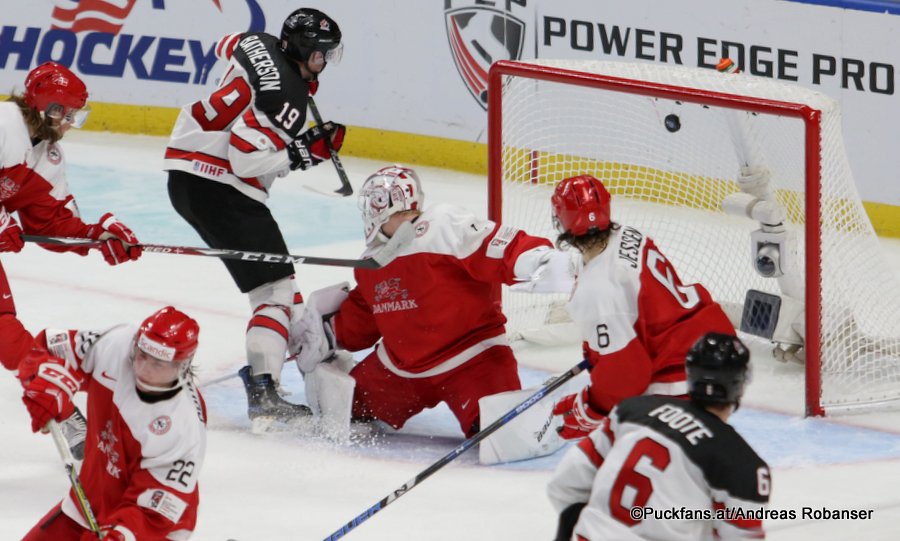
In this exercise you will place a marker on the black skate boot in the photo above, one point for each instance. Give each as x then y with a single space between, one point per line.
265 404
74 429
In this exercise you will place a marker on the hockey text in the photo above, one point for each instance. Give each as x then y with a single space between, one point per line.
269 76
630 246
683 422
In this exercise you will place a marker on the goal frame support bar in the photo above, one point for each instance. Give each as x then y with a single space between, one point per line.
810 117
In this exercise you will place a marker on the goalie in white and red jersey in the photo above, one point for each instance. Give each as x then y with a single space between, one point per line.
438 334
225 152
661 468
146 434
635 316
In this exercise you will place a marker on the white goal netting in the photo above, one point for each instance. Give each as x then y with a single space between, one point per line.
663 142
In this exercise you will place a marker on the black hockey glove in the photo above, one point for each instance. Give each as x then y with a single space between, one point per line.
311 148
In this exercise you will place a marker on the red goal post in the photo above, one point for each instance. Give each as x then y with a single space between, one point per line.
548 120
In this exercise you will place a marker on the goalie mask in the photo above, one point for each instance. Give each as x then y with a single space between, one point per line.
580 204
718 369
58 93
388 191
163 350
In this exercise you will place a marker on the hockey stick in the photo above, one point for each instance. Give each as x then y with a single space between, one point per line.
345 189
462 448
379 259
81 498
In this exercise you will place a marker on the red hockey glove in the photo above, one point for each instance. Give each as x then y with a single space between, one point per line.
49 395
310 148
30 364
120 244
579 418
10 233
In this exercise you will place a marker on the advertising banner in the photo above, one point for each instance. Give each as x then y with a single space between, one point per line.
420 66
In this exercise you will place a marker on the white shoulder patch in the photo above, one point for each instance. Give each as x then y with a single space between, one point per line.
497 247
450 230
163 502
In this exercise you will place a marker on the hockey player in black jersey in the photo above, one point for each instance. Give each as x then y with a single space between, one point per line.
662 468
225 152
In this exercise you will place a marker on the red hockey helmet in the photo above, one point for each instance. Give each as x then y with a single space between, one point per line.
169 335
53 88
580 204
164 348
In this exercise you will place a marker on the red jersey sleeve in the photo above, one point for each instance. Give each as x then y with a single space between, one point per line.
495 260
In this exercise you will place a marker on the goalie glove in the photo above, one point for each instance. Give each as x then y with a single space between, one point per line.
49 394
579 418
311 147
312 339
10 232
544 270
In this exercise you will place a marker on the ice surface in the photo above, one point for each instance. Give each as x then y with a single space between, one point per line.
291 485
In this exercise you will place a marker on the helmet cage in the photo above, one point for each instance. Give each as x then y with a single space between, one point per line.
388 191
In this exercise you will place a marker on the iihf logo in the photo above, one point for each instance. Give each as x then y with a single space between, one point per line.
479 34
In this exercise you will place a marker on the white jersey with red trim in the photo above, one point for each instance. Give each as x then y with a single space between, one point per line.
638 320
432 305
143 453
238 135
692 474
33 182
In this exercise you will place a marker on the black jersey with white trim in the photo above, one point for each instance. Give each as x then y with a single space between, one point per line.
725 458
663 453
277 85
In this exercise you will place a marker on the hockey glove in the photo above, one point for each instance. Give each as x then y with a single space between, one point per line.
10 232
49 395
311 148
544 270
579 418
317 344
120 244
30 364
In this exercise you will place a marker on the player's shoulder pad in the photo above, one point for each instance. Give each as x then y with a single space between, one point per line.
275 80
226 45
14 138
452 230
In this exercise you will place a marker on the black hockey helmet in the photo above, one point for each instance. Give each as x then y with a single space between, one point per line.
718 368
307 30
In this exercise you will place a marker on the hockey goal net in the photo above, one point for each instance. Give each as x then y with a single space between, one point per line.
670 143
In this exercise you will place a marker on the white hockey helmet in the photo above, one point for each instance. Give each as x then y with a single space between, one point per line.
389 190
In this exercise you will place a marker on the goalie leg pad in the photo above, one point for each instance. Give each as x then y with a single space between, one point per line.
267 330
532 434
329 391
